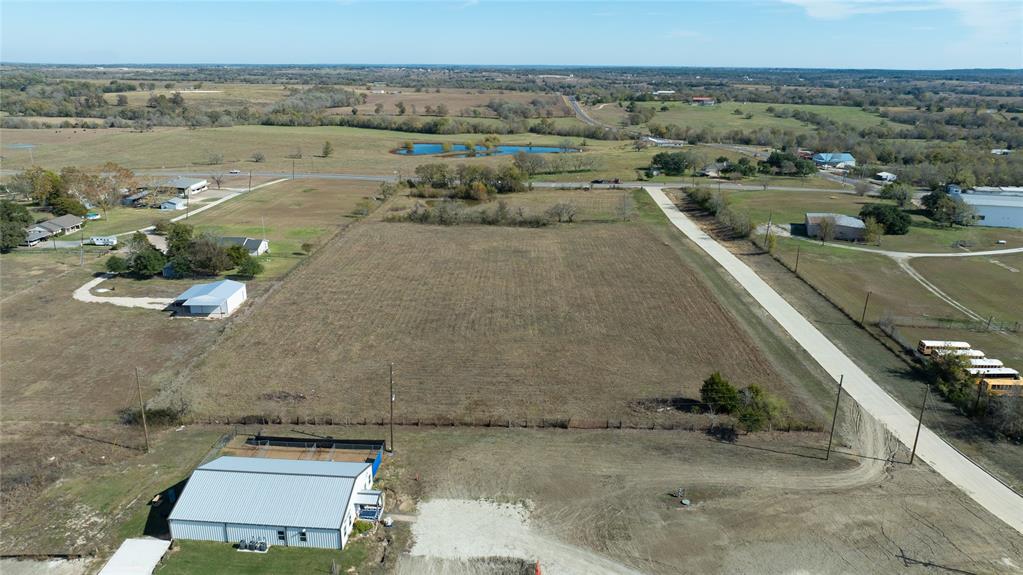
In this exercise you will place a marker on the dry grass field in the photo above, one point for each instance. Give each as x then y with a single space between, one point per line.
465 103
583 320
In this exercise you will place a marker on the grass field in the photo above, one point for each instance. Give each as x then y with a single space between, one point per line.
213 96
288 214
989 286
722 117
583 320
191 557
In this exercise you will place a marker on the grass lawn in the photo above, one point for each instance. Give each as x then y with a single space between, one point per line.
847 275
195 557
288 214
925 236
989 286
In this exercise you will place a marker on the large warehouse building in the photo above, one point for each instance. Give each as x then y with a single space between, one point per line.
297 503
997 207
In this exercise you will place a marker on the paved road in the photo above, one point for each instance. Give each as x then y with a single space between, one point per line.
584 116
987 491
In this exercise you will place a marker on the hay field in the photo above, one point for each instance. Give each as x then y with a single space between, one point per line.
457 100
583 320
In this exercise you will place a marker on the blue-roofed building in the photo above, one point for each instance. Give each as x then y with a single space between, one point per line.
288 502
835 159
217 299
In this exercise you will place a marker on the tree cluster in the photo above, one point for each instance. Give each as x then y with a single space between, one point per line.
894 221
753 407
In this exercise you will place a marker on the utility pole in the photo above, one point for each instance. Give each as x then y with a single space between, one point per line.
142 408
250 180
919 424
81 246
390 373
796 271
834 417
292 169
863 316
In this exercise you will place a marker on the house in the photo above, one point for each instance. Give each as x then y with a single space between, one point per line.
184 186
65 224
713 170
217 299
34 235
703 101
253 246
845 227
885 176
174 204
996 207
835 159
287 502
135 200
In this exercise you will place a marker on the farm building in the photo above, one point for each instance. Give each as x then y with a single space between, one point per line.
288 502
174 204
885 176
184 186
136 199
217 299
997 207
65 224
253 246
845 227
703 101
835 159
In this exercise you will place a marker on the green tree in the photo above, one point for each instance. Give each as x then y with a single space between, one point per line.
179 235
41 185
147 262
895 221
67 205
719 395
898 191
238 255
401 108
206 256
873 230
328 149
672 163
759 408
14 218
249 267
116 264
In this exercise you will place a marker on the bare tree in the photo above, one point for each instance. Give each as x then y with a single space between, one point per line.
826 229
862 187
562 212
258 157
218 179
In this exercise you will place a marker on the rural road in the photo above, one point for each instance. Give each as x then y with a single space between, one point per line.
987 491
583 116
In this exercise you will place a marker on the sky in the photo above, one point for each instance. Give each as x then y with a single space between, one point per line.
899 34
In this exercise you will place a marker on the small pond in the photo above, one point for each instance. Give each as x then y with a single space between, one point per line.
460 150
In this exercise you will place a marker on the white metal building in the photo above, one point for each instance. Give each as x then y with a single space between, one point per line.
173 204
996 207
217 299
282 501
843 227
185 186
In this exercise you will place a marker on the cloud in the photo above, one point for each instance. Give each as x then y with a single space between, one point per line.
841 9
997 18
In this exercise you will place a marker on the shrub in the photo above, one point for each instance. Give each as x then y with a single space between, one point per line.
362 526
116 264
718 394
250 267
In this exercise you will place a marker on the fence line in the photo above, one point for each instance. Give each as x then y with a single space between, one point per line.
495 422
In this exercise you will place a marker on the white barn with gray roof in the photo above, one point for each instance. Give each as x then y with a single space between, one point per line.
287 502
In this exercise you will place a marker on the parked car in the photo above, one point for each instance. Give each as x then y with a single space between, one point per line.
235 172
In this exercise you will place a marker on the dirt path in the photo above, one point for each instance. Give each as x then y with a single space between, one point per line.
85 294
985 489
464 529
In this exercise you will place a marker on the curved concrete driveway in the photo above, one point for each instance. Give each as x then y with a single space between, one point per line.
987 491
85 294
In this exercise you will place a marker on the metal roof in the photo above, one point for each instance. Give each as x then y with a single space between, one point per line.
182 183
840 219
275 492
945 343
214 293
837 157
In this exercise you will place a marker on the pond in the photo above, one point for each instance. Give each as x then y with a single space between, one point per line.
460 150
